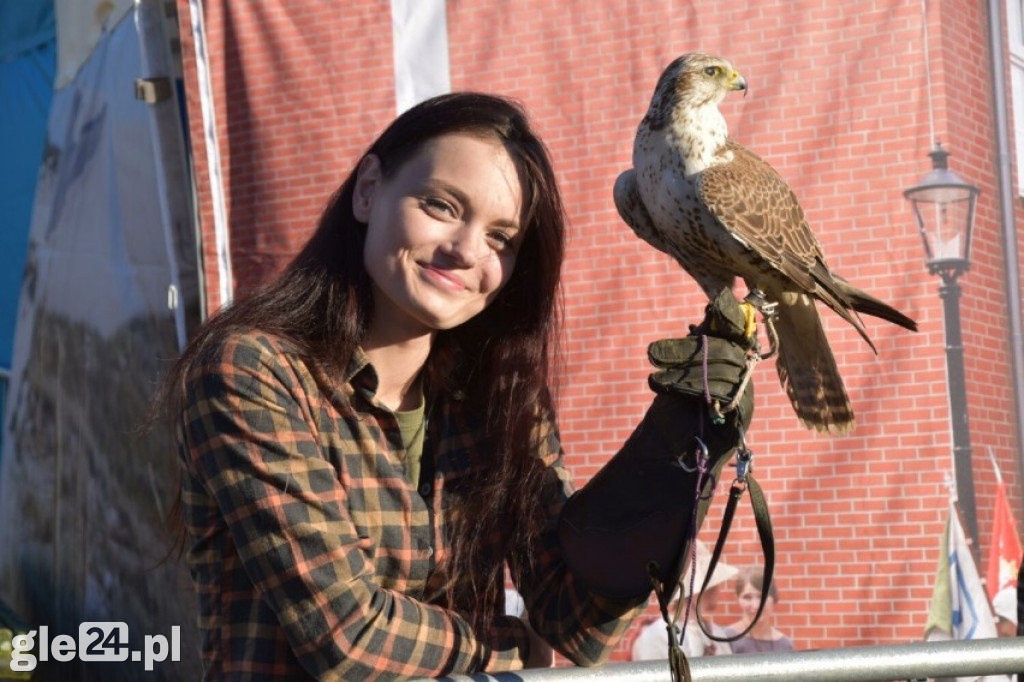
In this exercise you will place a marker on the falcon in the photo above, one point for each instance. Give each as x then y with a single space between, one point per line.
722 212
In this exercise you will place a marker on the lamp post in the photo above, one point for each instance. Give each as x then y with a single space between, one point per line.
943 206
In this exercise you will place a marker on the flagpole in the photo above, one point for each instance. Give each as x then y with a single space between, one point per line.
973 547
995 466
961 517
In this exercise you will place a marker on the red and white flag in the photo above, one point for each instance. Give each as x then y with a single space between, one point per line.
1004 552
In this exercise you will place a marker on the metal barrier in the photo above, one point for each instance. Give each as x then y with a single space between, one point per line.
917 661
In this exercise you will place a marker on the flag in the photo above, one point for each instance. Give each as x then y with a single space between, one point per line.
959 608
1004 551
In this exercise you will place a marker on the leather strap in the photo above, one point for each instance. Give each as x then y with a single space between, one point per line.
744 481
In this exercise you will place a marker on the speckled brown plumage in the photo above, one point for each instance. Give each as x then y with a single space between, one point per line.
722 212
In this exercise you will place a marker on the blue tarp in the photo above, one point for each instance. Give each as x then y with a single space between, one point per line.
27 63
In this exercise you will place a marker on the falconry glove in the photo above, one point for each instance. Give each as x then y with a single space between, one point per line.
634 520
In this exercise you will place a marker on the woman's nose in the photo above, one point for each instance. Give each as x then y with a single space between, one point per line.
468 245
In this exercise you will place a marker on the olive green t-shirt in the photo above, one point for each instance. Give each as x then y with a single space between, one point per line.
411 423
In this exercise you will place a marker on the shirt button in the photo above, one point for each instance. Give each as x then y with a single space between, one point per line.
426 489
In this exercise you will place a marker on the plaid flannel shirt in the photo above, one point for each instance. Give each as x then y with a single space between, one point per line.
314 557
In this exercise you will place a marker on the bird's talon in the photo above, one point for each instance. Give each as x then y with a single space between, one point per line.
749 319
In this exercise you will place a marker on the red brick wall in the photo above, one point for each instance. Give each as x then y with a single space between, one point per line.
300 88
837 103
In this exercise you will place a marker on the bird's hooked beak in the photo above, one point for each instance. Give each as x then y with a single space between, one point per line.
738 82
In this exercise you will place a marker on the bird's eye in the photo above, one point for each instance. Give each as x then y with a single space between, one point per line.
712 70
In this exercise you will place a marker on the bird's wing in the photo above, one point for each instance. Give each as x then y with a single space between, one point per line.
632 210
752 201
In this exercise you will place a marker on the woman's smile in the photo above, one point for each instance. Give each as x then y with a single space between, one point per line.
444 277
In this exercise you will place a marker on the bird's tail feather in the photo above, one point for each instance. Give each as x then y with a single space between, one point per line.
863 302
808 370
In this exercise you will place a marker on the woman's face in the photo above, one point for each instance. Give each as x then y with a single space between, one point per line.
442 235
750 599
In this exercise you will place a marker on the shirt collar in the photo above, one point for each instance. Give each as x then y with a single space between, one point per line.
360 373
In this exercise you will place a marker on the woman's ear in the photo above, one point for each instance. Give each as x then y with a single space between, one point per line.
368 177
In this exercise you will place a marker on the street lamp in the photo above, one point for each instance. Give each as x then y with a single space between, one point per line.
943 206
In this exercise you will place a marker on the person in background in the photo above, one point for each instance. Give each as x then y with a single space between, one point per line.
1005 606
763 637
651 642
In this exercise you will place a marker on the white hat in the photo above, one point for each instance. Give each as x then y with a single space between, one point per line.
723 571
1005 604
514 604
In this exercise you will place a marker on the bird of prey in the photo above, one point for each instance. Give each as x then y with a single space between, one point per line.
722 212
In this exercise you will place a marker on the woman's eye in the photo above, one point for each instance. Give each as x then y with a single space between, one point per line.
502 240
438 206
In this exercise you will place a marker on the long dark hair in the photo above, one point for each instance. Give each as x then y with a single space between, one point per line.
322 304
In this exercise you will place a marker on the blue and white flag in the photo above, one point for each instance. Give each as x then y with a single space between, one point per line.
960 608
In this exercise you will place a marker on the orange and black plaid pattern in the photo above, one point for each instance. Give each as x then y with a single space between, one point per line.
313 556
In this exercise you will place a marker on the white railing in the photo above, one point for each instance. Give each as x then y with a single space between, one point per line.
919 661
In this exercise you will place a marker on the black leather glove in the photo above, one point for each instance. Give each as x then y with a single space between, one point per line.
728 336
634 519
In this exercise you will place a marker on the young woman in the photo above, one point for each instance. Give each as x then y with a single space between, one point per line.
764 636
367 441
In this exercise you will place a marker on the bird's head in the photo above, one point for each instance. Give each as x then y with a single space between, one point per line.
693 81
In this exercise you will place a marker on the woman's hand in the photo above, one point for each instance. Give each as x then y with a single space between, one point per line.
541 653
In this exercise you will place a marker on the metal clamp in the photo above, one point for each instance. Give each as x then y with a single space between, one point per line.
701 456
